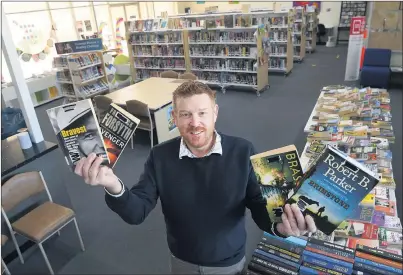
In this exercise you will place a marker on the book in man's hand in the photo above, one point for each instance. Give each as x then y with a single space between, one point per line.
117 128
332 188
277 172
77 131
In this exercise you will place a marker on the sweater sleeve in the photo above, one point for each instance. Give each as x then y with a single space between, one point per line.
134 205
257 204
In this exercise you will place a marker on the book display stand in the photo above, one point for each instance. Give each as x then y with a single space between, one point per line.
298 33
81 75
282 51
311 29
220 49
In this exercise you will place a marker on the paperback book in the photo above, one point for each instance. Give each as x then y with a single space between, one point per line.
332 188
77 131
278 173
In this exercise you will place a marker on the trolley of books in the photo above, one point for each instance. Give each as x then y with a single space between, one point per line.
155 46
281 48
229 50
298 34
311 27
81 75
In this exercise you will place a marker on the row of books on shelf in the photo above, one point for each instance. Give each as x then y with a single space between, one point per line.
224 64
278 36
278 49
171 37
81 60
87 73
84 90
227 78
307 255
221 50
159 63
279 21
159 50
222 36
277 63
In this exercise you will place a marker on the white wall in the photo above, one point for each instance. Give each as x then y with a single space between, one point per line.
330 18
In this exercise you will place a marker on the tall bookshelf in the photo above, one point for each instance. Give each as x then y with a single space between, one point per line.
311 30
225 50
298 33
282 51
81 75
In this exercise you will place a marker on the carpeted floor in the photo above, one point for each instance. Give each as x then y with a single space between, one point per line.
275 119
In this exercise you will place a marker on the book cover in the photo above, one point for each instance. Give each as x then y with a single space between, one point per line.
364 230
77 131
392 223
352 242
332 188
278 172
379 253
390 238
386 206
117 128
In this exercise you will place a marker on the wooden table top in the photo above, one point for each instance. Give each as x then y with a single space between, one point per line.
156 92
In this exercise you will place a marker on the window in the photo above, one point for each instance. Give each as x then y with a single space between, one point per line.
65 27
105 26
85 21
59 5
16 7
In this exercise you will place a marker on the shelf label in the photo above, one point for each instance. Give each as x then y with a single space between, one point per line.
79 46
355 44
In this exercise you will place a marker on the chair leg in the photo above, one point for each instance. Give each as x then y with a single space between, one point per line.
58 232
17 247
79 235
5 267
46 258
151 137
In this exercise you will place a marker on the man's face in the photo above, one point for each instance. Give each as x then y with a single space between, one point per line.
90 141
195 118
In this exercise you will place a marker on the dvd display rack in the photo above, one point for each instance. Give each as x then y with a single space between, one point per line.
281 48
311 30
298 34
81 75
350 9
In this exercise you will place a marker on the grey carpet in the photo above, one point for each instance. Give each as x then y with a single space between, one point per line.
275 119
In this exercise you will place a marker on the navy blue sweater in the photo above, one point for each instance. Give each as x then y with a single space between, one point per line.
203 200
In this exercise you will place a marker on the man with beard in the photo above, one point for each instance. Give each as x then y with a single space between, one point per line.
205 182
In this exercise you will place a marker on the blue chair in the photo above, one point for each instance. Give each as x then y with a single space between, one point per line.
376 68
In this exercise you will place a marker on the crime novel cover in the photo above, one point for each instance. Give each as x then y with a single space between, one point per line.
278 172
77 131
332 188
117 128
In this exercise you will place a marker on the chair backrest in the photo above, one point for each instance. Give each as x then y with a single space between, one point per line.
102 102
138 108
188 76
321 29
21 187
377 57
169 74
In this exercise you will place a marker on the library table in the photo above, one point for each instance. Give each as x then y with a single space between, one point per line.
157 93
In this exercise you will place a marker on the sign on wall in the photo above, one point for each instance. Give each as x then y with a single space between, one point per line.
79 46
355 44
316 4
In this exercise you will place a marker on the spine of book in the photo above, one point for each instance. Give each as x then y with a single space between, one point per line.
277 253
322 269
379 260
331 250
357 272
344 249
279 249
332 255
328 259
309 271
326 264
262 270
378 265
250 272
273 266
269 239
277 260
379 253
372 269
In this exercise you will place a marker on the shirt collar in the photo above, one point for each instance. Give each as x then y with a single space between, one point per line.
216 149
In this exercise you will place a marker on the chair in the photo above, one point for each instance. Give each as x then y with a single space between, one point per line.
188 76
169 74
40 223
375 71
142 112
4 268
102 105
321 32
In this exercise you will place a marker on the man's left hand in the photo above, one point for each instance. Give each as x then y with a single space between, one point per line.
294 223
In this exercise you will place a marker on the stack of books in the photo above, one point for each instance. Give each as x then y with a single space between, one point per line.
368 260
275 255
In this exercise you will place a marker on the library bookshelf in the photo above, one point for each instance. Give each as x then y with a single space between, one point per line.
221 49
81 75
298 33
311 29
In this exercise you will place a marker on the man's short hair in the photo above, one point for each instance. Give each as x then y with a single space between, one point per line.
191 88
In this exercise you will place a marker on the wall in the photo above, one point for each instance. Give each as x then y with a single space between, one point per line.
330 18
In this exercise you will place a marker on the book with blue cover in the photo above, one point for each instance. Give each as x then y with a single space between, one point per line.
332 188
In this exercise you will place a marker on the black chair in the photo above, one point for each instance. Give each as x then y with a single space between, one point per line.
321 32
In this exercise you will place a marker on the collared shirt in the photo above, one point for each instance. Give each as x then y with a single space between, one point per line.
216 149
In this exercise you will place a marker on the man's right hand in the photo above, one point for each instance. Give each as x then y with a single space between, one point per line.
94 174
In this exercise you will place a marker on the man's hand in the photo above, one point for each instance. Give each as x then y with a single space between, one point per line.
94 174
294 223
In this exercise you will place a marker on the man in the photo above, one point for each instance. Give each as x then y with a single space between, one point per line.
205 182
